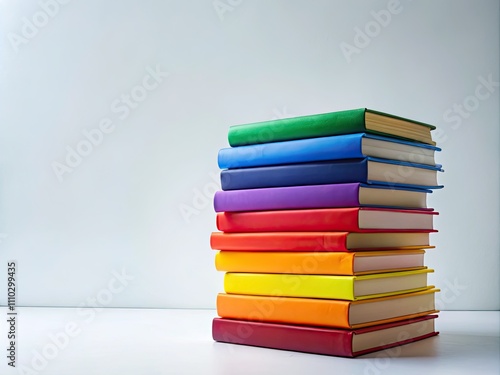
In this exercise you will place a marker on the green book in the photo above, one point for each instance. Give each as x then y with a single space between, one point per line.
360 120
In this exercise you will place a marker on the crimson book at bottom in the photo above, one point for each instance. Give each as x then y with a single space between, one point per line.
327 341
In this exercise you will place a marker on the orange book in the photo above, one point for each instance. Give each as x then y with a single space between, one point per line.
320 262
327 312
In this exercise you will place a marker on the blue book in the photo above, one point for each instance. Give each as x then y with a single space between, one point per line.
367 170
337 147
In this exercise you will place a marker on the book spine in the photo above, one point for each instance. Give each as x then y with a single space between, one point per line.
279 241
289 285
316 220
310 263
342 122
293 197
302 311
295 175
286 337
289 152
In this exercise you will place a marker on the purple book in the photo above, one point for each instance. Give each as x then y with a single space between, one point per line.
319 196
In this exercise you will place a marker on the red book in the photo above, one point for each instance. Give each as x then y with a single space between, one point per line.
318 241
354 219
327 341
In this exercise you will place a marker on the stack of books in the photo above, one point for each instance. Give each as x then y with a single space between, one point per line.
323 224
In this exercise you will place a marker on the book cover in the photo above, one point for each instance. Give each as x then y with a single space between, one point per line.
352 219
326 124
349 146
319 262
349 288
318 241
327 341
327 312
367 171
319 196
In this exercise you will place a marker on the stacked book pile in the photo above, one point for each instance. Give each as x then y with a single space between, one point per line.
323 224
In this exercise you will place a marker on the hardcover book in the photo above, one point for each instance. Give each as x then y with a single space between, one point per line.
327 312
319 263
348 146
327 341
349 288
318 241
319 196
326 124
368 171
323 222
352 219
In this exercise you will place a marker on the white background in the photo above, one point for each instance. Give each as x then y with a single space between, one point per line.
140 201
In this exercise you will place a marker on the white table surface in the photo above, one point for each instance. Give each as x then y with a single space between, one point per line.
144 341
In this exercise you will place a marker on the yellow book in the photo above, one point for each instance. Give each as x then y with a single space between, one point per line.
349 288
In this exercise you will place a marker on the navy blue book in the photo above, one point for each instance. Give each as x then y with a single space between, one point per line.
367 170
338 147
